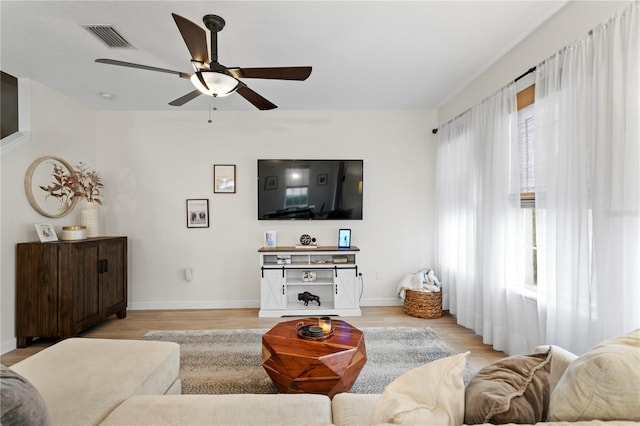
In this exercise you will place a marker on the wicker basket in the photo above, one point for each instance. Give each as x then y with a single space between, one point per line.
423 304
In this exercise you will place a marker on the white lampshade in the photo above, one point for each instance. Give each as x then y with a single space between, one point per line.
218 84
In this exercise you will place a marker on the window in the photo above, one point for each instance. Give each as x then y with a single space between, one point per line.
526 156
296 197
297 184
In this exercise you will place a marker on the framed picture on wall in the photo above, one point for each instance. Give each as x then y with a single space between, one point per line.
322 179
224 178
271 182
197 213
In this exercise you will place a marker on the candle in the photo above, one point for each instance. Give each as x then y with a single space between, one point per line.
325 324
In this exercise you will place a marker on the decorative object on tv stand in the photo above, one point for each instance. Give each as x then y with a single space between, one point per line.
306 241
308 276
344 238
307 297
58 198
270 239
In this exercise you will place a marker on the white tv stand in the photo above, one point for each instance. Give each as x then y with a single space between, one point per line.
326 272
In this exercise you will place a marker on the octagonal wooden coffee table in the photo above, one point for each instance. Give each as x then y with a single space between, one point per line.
323 366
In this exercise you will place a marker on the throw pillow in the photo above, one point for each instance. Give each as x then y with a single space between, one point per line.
602 384
511 390
430 394
22 404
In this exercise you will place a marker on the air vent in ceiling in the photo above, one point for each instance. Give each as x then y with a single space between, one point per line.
109 36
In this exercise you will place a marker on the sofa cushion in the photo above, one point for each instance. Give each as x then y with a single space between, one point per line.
560 360
222 410
511 390
353 409
431 394
20 401
82 380
603 384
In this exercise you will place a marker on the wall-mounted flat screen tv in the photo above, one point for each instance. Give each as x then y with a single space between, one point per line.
310 189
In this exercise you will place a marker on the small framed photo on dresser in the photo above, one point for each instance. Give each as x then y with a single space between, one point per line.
46 232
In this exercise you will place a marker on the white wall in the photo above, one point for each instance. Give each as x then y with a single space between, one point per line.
153 161
62 127
572 22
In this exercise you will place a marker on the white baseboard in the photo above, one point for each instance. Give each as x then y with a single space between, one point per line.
382 302
194 304
8 346
235 304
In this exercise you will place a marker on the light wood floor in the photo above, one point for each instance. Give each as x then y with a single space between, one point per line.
137 323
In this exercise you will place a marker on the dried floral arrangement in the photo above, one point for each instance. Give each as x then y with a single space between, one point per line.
81 182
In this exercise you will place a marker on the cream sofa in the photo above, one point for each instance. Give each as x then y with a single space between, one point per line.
125 382
134 382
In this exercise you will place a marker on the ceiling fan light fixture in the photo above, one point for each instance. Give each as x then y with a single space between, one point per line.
214 83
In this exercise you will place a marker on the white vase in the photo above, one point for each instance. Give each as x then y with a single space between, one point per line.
89 218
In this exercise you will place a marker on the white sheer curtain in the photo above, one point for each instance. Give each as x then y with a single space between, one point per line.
588 186
456 212
479 235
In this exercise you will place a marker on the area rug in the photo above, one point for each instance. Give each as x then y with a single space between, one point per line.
229 361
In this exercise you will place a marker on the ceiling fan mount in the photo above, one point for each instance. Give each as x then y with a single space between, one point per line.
214 23
209 76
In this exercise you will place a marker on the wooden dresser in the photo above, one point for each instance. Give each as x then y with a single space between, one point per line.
65 287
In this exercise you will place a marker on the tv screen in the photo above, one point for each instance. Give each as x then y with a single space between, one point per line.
310 189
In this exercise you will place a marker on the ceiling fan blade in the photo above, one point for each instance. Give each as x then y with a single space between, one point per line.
257 100
142 67
278 73
194 37
186 98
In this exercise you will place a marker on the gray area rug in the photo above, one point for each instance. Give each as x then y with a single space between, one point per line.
229 361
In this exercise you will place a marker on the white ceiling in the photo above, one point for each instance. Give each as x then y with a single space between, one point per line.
364 54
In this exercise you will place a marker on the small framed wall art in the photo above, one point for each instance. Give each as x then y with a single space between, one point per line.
197 213
224 178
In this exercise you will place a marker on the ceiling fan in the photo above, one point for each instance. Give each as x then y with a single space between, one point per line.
209 76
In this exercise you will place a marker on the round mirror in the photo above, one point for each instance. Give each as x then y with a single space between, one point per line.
42 184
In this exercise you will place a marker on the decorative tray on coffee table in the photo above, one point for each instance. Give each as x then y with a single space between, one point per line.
304 332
